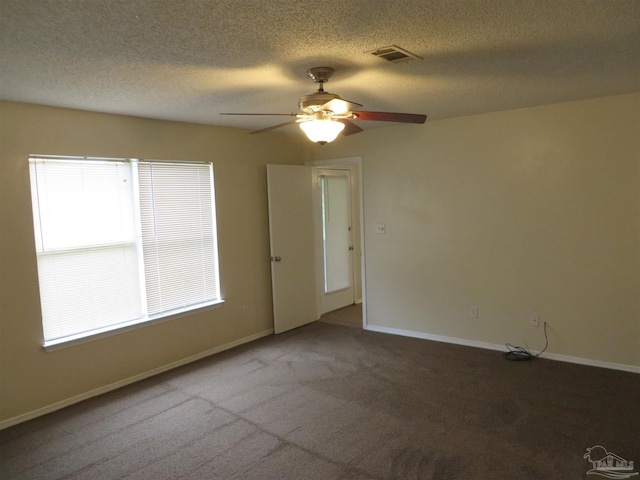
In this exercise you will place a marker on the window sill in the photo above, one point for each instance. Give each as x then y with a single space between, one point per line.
72 340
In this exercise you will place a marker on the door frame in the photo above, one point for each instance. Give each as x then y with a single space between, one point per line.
355 165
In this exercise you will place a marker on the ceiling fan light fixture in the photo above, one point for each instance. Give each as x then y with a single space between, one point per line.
321 131
338 106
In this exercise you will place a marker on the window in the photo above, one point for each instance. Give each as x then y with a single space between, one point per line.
121 242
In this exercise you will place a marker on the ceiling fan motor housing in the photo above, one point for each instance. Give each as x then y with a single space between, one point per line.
314 101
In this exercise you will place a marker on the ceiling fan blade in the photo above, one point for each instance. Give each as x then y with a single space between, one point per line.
353 103
275 126
350 128
390 116
287 114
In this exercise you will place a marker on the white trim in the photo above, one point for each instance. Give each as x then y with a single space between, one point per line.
41 156
127 381
111 330
502 348
592 363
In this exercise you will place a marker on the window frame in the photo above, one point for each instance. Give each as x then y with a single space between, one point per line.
146 319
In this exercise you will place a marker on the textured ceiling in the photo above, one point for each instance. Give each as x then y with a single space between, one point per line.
189 60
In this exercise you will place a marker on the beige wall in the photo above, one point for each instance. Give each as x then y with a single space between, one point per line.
32 379
526 211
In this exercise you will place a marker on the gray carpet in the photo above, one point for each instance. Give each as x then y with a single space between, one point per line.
350 316
327 401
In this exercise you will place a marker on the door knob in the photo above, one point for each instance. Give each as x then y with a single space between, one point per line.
276 259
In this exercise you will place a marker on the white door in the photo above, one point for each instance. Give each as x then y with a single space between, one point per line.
334 208
292 236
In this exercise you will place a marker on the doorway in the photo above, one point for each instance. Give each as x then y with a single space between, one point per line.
338 210
297 246
336 249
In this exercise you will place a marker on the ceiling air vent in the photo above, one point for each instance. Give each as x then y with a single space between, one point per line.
393 53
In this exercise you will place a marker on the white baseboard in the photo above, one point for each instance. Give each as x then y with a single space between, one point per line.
502 348
592 363
127 381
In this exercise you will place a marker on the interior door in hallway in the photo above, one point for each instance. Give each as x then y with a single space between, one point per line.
292 238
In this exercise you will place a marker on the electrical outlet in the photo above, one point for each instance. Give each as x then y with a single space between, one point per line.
473 312
534 320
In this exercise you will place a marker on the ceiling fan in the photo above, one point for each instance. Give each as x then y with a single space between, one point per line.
324 115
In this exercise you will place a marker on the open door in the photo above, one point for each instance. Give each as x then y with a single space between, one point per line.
292 237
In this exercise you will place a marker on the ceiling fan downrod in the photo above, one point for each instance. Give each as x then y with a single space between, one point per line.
320 75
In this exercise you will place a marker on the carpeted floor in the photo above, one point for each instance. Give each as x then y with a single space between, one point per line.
328 401
350 316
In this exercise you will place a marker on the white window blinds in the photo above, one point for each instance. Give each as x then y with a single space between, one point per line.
121 242
178 235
